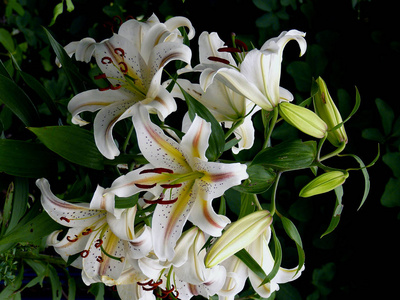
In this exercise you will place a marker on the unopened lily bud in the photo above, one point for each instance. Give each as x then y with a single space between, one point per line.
327 110
324 183
303 119
238 236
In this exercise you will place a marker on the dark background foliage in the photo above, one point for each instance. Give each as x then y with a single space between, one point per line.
350 43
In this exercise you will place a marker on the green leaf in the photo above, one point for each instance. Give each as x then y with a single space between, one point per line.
302 75
277 258
35 85
260 180
364 170
392 160
217 137
56 288
387 115
7 208
20 200
70 5
58 9
36 228
97 289
126 202
76 79
266 5
337 211
26 159
250 262
373 134
17 101
73 143
356 106
294 235
391 194
246 205
287 156
6 40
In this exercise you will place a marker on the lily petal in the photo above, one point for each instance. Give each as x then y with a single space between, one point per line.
168 220
65 213
204 216
219 177
159 149
195 141
104 123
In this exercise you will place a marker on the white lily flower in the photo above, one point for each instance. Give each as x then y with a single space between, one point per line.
91 234
186 275
180 173
226 105
258 76
237 274
132 61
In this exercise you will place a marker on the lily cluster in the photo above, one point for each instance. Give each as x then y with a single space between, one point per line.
171 242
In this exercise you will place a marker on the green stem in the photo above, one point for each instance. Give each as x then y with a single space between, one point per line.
256 202
42 257
271 127
334 153
274 191
126 142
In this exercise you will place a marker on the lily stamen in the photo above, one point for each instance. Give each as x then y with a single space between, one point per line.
65 219
119 51
229 49
99 259
120 259
219 59
84 253
157 170
145 186
72 240
87 231
171 186
98 243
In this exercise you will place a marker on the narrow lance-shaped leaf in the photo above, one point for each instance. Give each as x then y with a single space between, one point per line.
20 200
336 214
76 79
72 143
35 85
17 101
26 159
277 258
294 235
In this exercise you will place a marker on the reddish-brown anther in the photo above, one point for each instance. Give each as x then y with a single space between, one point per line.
119 51
84 253
229 49
100 76
106 60
219 59
87 231
157 170
123 67
241 44
171 186
145 186
65 219
98 243
69 239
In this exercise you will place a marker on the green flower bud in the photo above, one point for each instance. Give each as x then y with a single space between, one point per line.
238 236
303 119
327 110
324 183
